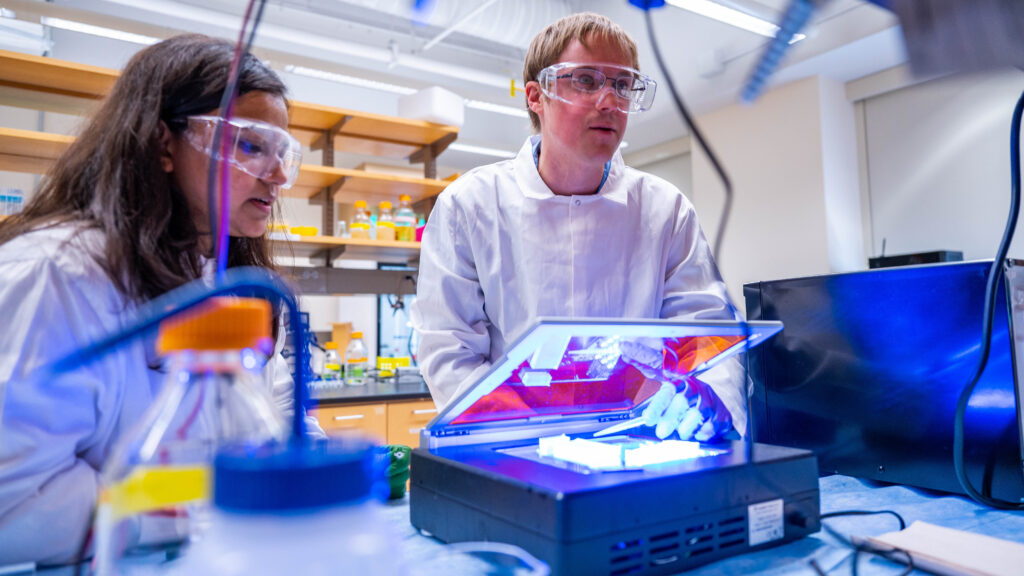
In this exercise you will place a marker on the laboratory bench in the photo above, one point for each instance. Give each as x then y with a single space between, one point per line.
837 493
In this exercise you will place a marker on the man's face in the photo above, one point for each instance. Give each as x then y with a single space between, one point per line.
587 133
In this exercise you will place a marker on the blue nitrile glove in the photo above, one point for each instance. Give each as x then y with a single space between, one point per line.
694 412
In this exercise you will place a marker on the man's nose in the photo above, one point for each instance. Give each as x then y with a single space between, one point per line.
606 98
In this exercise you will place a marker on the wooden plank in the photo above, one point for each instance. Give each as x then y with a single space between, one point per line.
55 76
376 187
360 185
30 151
354 249
50 75
315 118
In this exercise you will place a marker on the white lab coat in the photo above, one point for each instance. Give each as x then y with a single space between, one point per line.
501 250
55 436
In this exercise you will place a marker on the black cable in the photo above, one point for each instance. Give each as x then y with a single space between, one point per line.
226 100
723 221
903 523
722 175
995 274
858 549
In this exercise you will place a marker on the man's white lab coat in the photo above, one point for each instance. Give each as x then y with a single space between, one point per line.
501 250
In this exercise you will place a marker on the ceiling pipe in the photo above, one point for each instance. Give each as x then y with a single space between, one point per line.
456 25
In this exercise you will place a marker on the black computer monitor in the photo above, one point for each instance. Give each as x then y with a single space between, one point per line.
869 367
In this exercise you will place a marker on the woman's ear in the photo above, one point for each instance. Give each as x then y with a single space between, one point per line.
167 142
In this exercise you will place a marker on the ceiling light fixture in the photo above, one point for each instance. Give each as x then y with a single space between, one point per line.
498 108
732 17
482 150
350 80
98 31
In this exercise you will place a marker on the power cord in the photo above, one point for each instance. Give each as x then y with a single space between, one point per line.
894 554
219 234
723 221
995 274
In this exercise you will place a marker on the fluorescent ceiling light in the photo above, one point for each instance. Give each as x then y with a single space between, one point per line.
350 80
732 17
98 31
500 109
396 89
482 150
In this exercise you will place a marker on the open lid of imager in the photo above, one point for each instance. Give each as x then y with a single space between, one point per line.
586 369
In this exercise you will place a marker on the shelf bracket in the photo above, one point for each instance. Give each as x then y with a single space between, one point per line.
327 198
429 153
328 254
325 140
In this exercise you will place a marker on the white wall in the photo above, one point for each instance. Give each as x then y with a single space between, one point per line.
677 169
938 164
773 152
843 215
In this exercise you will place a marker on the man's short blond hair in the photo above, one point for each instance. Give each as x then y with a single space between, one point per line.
586 27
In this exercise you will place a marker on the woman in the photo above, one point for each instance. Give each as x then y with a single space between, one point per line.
120 219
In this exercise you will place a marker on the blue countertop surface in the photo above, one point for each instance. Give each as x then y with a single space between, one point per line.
837 493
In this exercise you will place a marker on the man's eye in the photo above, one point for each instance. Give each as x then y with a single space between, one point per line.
586 80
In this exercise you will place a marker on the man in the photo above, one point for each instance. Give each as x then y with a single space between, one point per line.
566 229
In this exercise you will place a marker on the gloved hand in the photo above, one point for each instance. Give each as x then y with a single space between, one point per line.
695 412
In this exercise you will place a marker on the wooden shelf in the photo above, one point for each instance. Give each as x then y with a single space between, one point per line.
362 132
28 151
34 152
355 185
25 78
347 248
52 76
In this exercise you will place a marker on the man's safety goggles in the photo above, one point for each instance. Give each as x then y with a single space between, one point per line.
256 148
582 84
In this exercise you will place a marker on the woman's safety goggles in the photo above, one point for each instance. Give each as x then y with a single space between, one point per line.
256 148
583 84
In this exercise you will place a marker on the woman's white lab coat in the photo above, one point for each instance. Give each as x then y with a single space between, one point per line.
501 250
55 436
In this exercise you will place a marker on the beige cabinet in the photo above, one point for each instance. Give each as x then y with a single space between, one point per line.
396 422
406 419
369 418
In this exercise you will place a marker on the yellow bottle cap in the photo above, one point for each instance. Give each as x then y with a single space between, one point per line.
405 198
360 204
385 205
331 345
224 323
357 334
304 230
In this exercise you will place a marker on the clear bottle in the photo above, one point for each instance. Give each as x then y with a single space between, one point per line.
155 483
360 221
385 222
405 220
312 509
331 376
355 360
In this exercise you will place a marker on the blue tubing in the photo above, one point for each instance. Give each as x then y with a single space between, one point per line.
247 281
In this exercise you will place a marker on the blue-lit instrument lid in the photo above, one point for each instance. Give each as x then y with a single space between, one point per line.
595 367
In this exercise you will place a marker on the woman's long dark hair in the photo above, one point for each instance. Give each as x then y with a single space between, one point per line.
111 179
